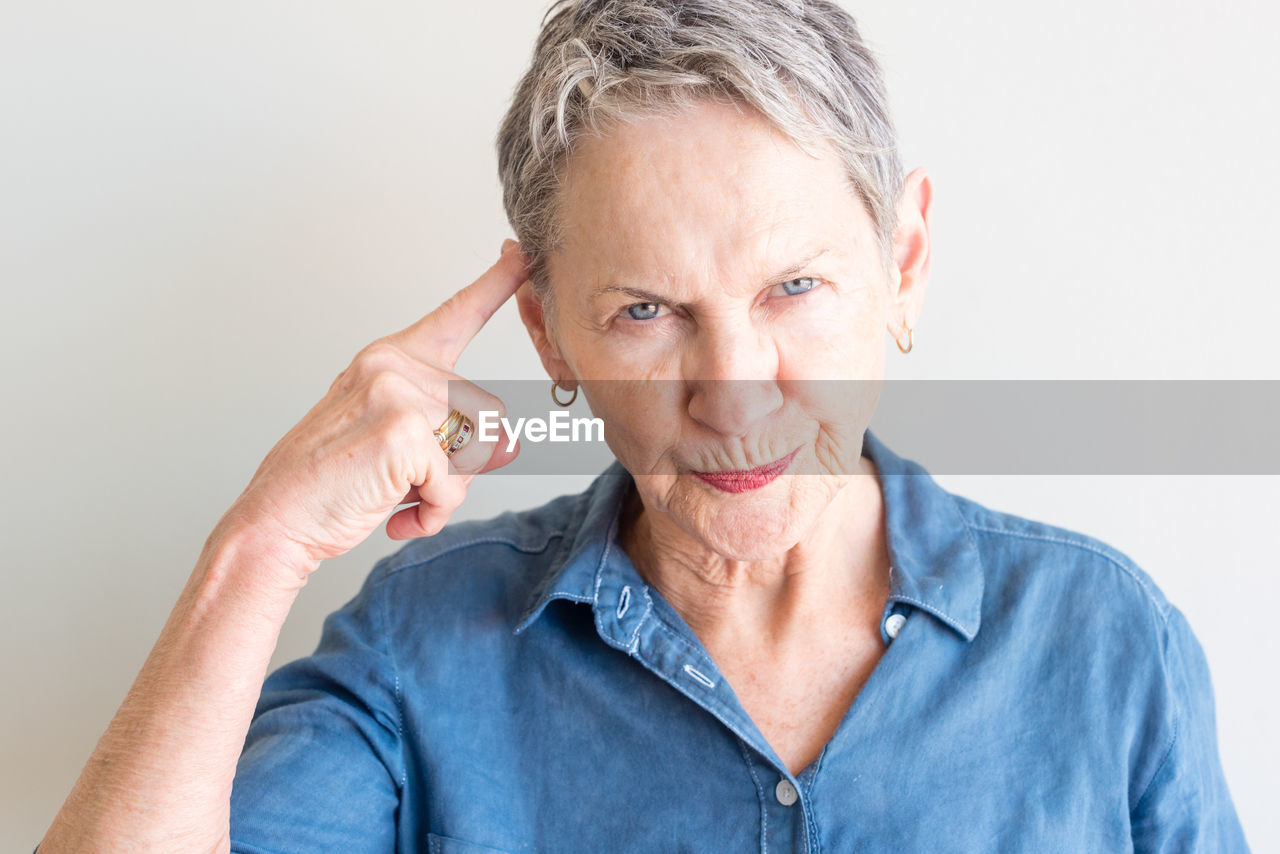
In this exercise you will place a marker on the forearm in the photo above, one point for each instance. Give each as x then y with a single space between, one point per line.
160 777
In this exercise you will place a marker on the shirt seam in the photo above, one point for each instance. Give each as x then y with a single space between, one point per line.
760 796
597 618
566 594
1161 609
501 541
982 566
811 825
811 817
395 673
648 609
950 621
1164 760
1173 737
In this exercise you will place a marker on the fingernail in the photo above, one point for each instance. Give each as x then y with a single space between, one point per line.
507 244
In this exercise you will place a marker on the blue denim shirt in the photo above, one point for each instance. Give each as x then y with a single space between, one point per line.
513 685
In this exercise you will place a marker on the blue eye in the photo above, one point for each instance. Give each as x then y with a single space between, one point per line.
799 286
643 310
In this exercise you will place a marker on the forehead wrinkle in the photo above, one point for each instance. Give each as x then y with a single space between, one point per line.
742 252
770 234
675 224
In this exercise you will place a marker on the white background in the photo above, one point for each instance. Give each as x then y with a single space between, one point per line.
207 209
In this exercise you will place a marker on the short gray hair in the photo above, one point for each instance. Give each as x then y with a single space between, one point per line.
800 63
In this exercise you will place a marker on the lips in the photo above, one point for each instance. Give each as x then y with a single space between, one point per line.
747 479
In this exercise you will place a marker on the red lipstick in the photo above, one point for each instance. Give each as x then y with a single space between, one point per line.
747 479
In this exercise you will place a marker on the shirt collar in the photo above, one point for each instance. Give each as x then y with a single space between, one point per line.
590 537
934 562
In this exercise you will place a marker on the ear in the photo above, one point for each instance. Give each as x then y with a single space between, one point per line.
535 321
911 251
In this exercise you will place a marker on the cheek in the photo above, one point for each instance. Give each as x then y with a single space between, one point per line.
642 418
831 373
838 339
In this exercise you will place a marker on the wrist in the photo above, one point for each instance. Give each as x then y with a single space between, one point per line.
251 556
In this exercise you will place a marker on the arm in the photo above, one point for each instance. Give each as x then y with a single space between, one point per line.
1186 806
323 764
160 777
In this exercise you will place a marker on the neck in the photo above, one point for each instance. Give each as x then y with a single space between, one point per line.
835 577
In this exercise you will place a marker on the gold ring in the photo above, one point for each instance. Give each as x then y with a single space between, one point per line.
454 433
449 426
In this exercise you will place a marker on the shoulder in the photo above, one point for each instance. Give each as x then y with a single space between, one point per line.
1105 650
1028 558
1037 574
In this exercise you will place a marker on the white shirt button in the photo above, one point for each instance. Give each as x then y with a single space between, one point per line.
786 793
893 625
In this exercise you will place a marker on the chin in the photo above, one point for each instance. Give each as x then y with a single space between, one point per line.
750 528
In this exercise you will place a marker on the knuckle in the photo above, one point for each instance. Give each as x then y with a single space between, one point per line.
385 389
406 427
378 357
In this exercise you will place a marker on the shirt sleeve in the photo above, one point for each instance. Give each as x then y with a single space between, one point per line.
321 768
1186 807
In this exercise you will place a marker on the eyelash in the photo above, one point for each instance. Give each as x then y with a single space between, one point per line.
816 282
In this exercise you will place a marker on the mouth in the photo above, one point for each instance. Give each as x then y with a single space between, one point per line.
746 479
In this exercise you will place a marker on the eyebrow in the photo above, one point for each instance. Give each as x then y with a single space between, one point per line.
649 296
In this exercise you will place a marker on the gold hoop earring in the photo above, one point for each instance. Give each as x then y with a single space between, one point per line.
911 340
555 384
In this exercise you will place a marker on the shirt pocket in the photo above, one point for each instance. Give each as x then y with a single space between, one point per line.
437 844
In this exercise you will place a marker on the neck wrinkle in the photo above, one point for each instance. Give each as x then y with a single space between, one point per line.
813 600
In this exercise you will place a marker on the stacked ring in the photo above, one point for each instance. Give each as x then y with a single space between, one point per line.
454 433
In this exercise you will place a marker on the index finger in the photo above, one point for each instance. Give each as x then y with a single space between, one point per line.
440 337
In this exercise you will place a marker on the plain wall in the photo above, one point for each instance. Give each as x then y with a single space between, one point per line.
207 209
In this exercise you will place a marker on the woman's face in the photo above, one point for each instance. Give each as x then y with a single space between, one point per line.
722 302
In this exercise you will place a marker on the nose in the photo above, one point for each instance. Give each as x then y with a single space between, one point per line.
731 372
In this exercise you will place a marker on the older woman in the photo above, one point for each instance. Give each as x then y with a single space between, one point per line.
760 628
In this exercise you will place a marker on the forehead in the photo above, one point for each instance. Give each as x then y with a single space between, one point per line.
713 185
